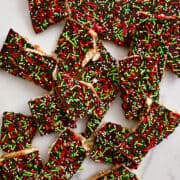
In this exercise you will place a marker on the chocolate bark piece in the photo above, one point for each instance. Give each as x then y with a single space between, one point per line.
20 59
16 41
106 145
66 156
17 131
78 98
116 173
116 20
157 36
75 45
83 12
46 12
155 126
49 114
139 78
25 164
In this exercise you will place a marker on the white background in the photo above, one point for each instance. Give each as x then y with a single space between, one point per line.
161 163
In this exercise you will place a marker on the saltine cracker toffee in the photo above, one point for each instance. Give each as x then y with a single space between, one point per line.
17 131
25 164
20 59
140 77
158 37
49 114
156 125
106 145
66 156
73 45
45 13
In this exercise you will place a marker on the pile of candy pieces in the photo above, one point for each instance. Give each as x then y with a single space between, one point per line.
82 80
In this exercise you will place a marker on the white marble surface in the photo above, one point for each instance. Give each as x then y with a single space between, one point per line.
162 163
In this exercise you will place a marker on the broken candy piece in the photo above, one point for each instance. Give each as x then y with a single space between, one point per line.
116 173
156 125
16 41
49 114
18 131
25 164
107 140
66 156
139 78
18 58
46 12
76 47
157 36
84 12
